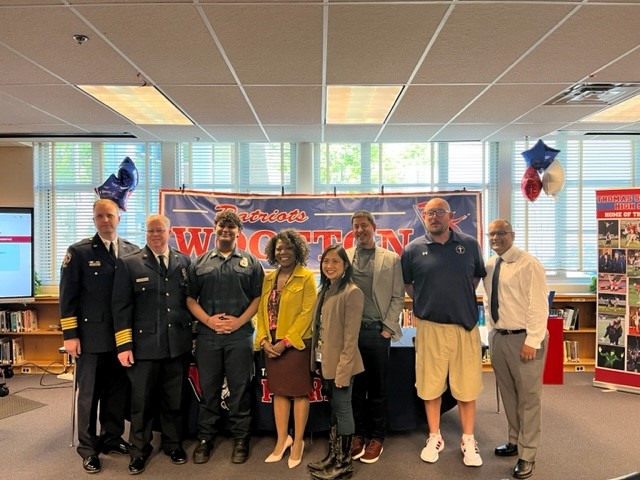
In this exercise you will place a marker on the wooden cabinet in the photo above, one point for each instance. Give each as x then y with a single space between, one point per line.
585 335
40 347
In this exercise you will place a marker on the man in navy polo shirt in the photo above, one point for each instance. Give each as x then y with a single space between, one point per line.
441 271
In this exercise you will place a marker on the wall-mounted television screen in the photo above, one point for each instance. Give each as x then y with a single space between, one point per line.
16 255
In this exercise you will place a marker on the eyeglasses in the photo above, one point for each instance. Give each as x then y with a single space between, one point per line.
438 212
153 231
498 233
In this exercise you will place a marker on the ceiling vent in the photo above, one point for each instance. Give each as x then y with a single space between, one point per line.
595 94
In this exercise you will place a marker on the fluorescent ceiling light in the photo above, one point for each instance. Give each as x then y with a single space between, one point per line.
142 105
624 112
359 104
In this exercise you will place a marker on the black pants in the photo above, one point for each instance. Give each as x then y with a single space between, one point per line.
369 399
102 382
219 357
157 388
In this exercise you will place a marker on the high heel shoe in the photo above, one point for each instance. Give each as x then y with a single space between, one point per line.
294 463
277 457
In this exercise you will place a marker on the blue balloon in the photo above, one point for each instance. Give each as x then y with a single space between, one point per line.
128 173
540 156
119 188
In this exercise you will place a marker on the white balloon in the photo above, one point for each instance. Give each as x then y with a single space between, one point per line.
553 179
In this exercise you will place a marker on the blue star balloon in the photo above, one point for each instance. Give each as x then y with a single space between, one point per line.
540 156
119 188
128 174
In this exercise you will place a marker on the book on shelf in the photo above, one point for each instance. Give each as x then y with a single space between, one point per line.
5 351
17 350
571 351
406 318
11 350
18 321
556 312
570 316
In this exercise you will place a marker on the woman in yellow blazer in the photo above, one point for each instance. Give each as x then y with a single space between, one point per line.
284 335
336 327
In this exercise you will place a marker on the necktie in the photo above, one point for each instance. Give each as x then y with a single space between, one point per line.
163 266
112 250
494 290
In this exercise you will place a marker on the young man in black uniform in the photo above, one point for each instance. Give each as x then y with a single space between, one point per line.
225 284
154 339
86 283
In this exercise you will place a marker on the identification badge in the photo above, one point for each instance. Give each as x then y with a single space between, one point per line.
244 262
318 356
94 263
143 279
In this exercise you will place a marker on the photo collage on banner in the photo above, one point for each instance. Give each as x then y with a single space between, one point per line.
618 281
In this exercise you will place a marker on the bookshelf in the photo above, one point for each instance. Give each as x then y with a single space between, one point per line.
585 334
40 347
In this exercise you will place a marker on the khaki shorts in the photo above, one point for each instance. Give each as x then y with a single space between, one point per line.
442 351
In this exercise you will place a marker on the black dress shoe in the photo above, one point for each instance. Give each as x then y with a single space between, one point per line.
523 469
137 465
507 450
240 451
178 456
203 451
92 464
119 446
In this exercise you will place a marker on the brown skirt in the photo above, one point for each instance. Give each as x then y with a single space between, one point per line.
289 374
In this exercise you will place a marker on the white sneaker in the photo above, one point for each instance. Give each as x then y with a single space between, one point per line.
471 454
434 445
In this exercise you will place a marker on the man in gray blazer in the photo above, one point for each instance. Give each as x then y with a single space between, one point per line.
378 273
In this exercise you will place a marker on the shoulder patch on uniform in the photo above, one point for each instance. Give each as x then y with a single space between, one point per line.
67 259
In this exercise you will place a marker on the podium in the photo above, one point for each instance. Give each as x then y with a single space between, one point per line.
553 373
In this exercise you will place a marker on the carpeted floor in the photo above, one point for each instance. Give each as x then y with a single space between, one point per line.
587 434
15 404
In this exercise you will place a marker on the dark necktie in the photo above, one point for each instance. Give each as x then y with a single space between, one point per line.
494 290
163 266
112 250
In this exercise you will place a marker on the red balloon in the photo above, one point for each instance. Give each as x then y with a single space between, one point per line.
531 185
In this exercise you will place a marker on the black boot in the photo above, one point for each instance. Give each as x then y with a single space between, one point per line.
342 468
331 454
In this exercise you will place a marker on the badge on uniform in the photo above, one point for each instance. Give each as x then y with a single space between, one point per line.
94 263
244 262
142 279
66 260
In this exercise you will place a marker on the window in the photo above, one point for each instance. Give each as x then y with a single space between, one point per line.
562 232
65 177
242 168
401 167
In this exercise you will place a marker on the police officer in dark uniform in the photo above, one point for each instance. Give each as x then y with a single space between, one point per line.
154 340
86 284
